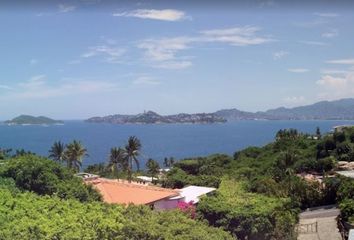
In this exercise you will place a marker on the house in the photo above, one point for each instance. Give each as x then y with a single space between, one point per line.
349 174
341 128
123 192
188 194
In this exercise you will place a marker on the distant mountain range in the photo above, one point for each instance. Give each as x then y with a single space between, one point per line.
31 120
151 117
325 110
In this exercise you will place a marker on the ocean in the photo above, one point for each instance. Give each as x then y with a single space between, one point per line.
158 141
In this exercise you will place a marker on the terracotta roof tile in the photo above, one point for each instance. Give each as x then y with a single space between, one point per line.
114 191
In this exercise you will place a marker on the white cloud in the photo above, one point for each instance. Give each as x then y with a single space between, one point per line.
312 24
295 100
327 15
72 62
164 49
144 80
335 82
330 34
163 53
337 86
5 87
38 88
33 62
111 54
279 55
298 70
163 15
175 65
65 8
239 36
333 71
314 43
348 61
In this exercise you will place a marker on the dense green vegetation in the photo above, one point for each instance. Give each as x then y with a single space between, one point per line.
28 216
45 177
27 119
40 199
249 215
267 178
260 191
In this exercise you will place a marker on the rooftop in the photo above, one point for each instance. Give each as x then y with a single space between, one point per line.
114 191
192 193
349 174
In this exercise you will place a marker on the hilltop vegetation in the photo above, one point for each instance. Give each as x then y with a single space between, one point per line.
260 192
40 199
261 189
325 110
28 216
27 119
151 117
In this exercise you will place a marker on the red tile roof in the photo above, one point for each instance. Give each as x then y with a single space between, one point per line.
114 191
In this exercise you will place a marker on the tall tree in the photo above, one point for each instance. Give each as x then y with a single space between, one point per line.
168 162
118 160
74 154
57 150
153 168
132 150
318 132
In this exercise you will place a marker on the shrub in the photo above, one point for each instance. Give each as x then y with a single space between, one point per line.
29 216
45 177
248 215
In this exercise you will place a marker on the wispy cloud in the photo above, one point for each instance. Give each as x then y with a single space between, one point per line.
295 99
110 53
314 43
333 71
65 8
144 80
33 62
298 70
313 23
154 14
5 87
330 34
326 14
163 52
348 61
239 36
280 54
37 87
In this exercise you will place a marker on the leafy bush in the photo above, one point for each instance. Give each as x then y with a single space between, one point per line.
248 215
28 216
45 177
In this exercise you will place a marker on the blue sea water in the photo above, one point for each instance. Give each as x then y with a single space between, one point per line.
158 141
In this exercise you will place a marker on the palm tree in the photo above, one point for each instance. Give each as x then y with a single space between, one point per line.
57 151
132 151
168 162
74 154
153 168
118 160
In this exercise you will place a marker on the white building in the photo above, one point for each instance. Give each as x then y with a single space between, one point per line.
187 194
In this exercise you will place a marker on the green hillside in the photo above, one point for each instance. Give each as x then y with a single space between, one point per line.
27 119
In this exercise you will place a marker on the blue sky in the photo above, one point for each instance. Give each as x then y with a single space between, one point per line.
76 59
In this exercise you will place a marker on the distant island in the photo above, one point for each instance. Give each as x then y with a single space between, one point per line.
151 117
325 110
31 120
